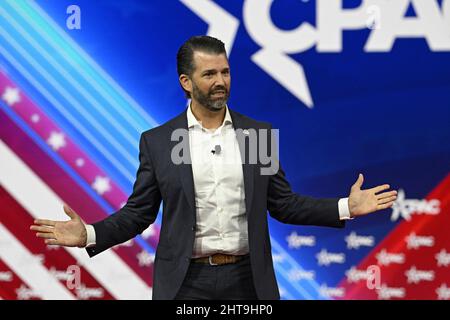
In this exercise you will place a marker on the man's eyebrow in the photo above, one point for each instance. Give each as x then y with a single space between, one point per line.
215 70
209 71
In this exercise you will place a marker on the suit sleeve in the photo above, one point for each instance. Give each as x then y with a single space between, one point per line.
139 212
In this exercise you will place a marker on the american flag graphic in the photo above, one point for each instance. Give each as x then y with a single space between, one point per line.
69 134
64 124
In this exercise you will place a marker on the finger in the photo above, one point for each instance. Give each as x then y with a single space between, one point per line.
386 194
380 188
70 212
359 182
53 242
385 206
386 200
45 222
45 235
41 229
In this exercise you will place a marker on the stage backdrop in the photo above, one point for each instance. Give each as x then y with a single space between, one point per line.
353 86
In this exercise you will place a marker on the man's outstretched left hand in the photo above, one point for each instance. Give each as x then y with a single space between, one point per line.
362 202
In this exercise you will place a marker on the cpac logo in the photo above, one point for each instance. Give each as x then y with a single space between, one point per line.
331 292
387 293
24 293
385 258
354 275
372 275
386 19
415 276
85 293
295 241
354 241
6 276
72 274
406 207
415 242
298 274
325 258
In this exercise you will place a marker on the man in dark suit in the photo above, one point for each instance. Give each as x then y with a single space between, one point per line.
214 241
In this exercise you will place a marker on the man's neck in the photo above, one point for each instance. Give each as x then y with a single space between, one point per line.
209 119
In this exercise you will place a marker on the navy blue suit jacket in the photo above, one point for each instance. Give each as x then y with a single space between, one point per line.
159 179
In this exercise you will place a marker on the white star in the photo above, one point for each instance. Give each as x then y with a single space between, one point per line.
282 68
101 185
79 162
221 24
35 118
443 292
56 140
11 96
443 258
145 258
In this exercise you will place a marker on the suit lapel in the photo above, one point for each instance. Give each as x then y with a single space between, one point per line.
248 169
185 169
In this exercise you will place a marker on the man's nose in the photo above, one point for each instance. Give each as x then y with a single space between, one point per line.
220 80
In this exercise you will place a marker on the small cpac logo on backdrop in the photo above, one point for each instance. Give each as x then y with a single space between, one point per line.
372 275
405 208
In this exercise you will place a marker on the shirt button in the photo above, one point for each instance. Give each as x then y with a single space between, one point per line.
220 209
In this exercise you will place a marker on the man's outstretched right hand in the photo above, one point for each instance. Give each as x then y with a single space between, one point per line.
70 233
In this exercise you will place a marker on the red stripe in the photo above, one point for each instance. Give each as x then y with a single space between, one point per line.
67 189
17 220
26 108
8 288
423 258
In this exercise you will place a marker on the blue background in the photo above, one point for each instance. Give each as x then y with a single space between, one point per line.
383 114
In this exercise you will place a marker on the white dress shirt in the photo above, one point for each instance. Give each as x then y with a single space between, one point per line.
219 191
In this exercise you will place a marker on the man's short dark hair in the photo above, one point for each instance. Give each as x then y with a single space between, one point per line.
185 55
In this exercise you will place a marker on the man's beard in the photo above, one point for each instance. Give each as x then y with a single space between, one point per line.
206 100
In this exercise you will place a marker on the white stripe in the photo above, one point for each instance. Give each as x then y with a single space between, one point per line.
66 75
41 202
295 265
124 171
91 81
91 62
29 269
70 99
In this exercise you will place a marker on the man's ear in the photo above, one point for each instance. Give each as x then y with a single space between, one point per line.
186 82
